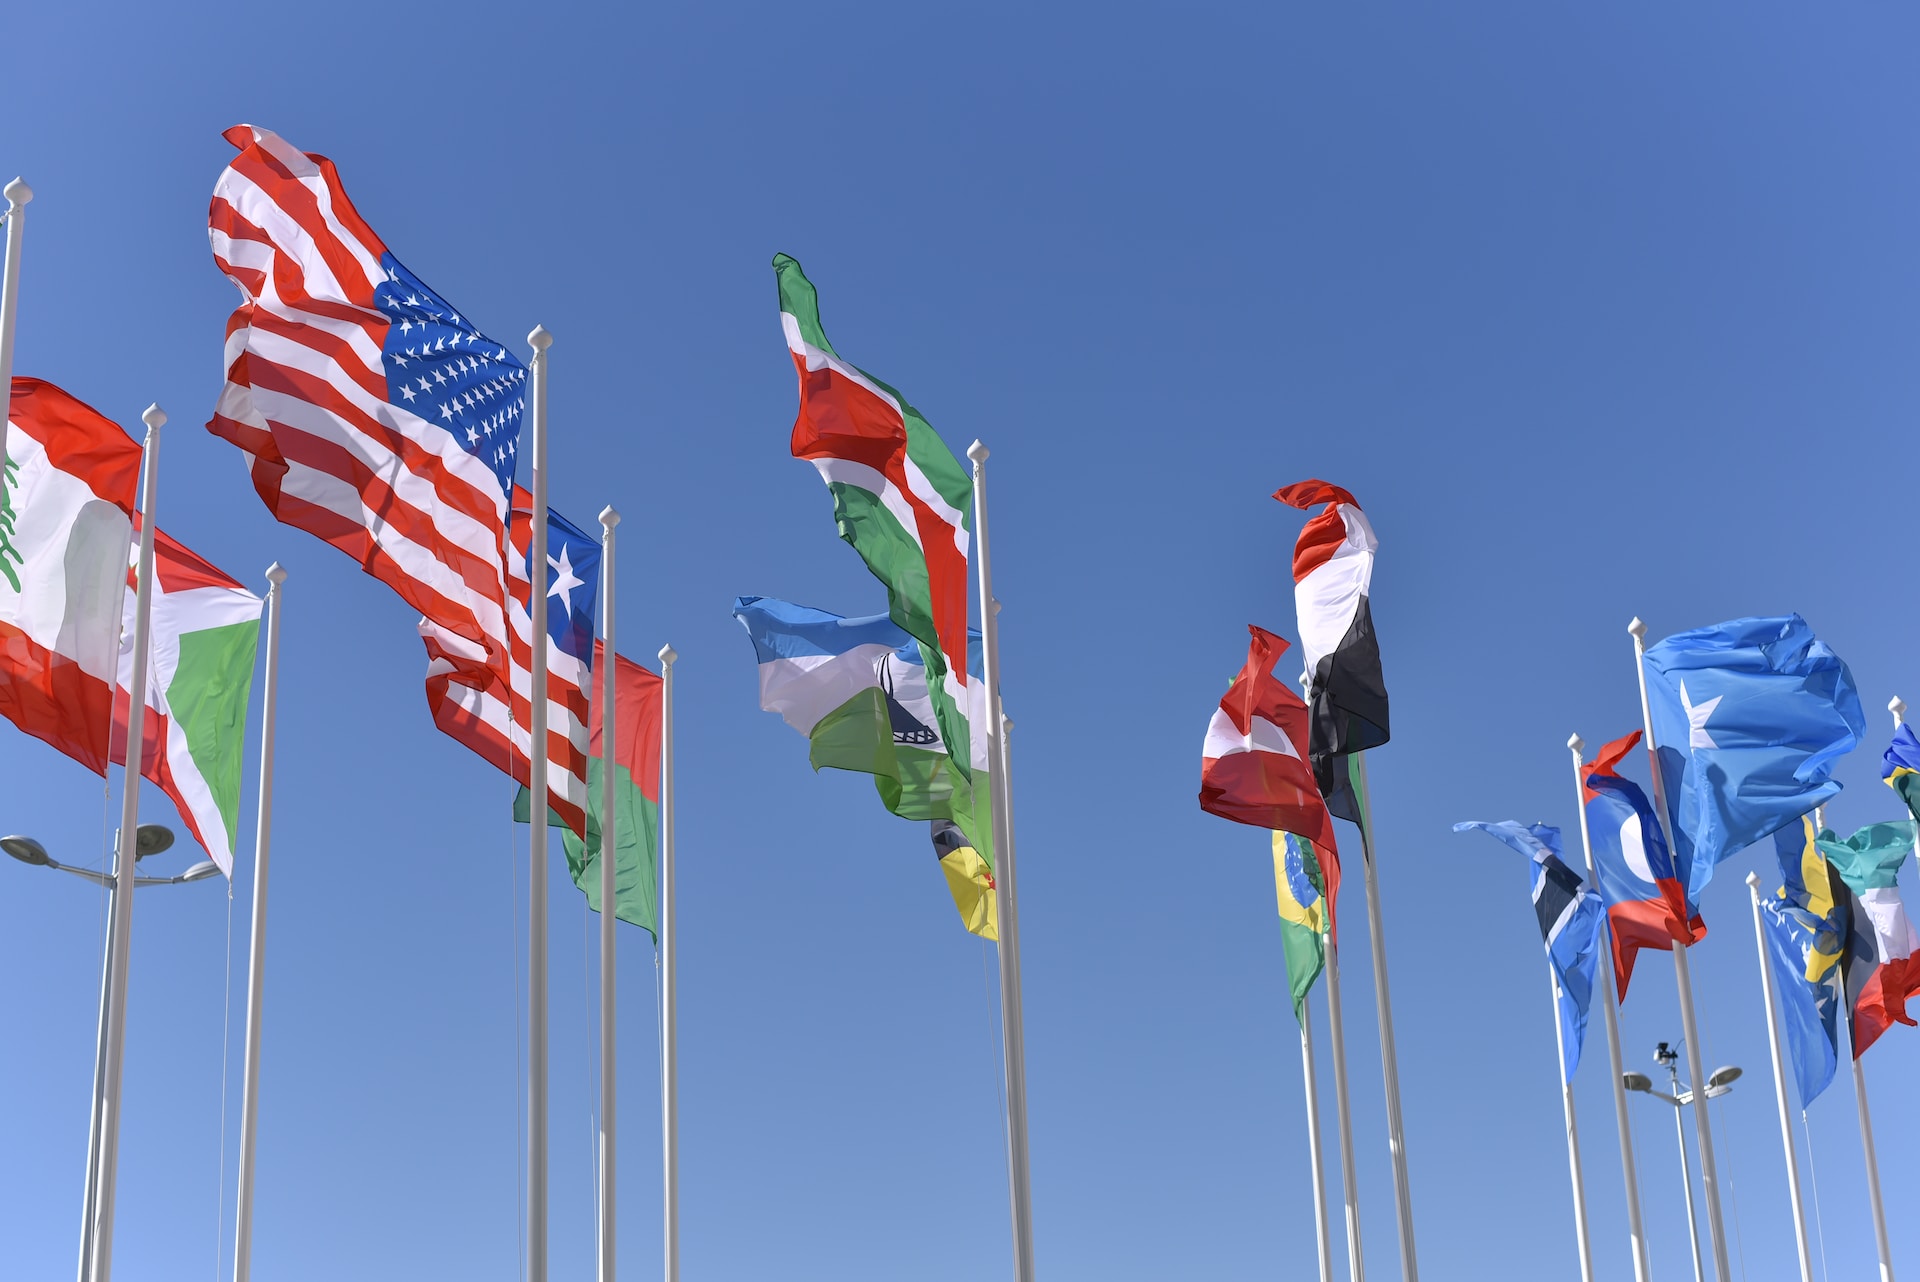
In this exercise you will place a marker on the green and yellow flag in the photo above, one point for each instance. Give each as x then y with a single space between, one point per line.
1300 888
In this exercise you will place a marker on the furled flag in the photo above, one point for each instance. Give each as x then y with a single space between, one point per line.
1752 715
1882 958
899 497
472 704
968 878
1570 919
636 801
66 610
1332 576
1900 768
1647 905
1253 766
1305 902
372 414
859 689
1806 933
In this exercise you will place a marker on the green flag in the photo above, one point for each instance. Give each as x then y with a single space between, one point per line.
1299 886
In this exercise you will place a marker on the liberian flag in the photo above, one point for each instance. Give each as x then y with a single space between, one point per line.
1646 894
1253 769
1332 573
1882 957
66 619
899 497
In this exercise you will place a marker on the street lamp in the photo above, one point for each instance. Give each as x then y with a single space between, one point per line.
1719 1082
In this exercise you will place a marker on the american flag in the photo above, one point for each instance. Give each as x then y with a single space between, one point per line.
495 719
372 413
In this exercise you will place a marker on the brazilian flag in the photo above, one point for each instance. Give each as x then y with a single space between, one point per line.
1901 767
1300 887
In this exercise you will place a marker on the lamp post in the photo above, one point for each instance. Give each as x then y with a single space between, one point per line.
1719 1082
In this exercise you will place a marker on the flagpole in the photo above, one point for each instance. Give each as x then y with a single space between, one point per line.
1611 1008
1866 1147
1389 1057
1342 1110
18 194
669 981
1320 1226
257 957
1898 707
609 889
123 864
1683 978
1006 900
1573 1133
540 340
1780 1083
91 1199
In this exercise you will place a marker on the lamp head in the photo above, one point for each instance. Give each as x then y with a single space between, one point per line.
1636 1081
1723 1077
151 839
26 850
200 871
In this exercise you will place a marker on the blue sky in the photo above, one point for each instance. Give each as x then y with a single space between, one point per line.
1599 313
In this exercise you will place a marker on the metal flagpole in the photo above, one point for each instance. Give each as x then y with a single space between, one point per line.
1389 1057
1342 1110
91 1199
609 888
18 194
540 340
1683 976
669 970
1320 1227
1611 1008
257 958
1573 1134
123 864
1006 899
1779 1084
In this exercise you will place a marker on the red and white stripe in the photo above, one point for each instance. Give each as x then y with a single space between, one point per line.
1253 762
470 703
1332 567
306 397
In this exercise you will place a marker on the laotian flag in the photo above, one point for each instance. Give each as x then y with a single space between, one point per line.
1647 905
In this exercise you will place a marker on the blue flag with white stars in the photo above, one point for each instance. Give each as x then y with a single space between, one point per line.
573 588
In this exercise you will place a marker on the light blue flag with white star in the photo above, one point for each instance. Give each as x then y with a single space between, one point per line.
1751 716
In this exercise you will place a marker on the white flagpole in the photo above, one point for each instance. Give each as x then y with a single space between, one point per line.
540 340
669 981
123 864
1683 976
18 194
1006 899
1389 1057
1573 1134
91 1200
1780 1083
1611 1008
1342 1111
257 958
1321 1230
609 890
1898 707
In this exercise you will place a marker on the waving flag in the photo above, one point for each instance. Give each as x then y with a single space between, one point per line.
968 878
1806 928
1647 904
1305 898
1882 958
1752 715
1900 768
1253 767
373 415
1332 577
494 718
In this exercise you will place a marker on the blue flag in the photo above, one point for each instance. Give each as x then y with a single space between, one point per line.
1751 717
1806 932
1571 918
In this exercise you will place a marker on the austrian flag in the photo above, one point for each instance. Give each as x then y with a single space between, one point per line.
1253 765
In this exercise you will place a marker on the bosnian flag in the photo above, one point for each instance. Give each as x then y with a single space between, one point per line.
1253 767
1332 574
1646 894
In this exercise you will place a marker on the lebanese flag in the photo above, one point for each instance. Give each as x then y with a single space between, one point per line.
1252 767
1332 573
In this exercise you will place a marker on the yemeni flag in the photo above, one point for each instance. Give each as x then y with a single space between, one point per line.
66 619
636 761
1253 768
1332 575
899 497
1881 961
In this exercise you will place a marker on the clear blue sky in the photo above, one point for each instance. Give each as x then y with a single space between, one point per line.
1598 312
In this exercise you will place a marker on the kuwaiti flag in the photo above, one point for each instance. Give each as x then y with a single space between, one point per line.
1882 958
1253 767
1570 917
1332 577
1646 894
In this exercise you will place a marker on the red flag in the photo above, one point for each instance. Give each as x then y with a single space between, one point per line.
1253 766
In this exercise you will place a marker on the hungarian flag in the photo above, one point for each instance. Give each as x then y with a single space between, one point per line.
1253 769
1882 956
1332 574
1645 890
66 618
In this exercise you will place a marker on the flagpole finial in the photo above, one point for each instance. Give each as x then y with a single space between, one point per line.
1576 743
977 452
667 656
17 192
609 517
154 417
1637 628
1898 707
540 340
276 574
1753 879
